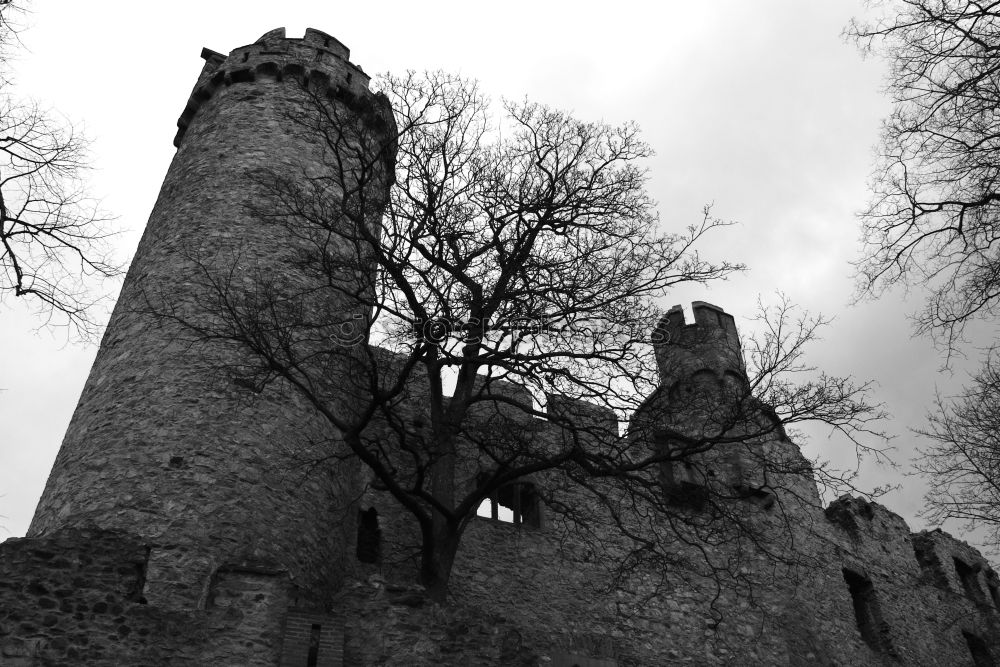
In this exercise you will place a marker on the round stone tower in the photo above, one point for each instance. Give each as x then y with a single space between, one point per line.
164 443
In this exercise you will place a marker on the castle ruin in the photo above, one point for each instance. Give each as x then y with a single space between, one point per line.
174 529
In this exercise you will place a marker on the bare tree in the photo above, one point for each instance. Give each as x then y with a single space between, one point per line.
935 217
935 213
962 463
53 237
519 261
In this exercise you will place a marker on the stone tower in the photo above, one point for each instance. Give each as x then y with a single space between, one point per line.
704 396
709 344
163 442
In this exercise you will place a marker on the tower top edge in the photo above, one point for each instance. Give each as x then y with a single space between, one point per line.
706 316
312 37
317 58
316 49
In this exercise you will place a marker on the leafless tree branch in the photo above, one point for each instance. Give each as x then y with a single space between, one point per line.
54 240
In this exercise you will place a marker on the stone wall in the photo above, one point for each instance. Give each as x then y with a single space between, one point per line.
68 598
845 585
552 592
79 597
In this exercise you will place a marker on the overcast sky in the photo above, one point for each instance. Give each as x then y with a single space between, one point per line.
758 107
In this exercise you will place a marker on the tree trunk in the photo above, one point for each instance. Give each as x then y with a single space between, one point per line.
437 558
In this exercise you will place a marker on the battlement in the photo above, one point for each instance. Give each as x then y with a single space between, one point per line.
314 37
316 59
581 413
674 329
709 343
862 516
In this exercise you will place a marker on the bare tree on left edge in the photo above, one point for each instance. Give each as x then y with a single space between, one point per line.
54 240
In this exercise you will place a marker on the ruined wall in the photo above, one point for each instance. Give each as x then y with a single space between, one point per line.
65 597
848 585
78 597
923 613
548 588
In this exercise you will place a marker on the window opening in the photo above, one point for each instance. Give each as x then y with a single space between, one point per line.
980 652
683 483
930 564
313 657
369 536
873 629
970 582
138 588
515 503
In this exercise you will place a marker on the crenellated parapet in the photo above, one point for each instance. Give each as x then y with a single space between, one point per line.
317 59
710 344
494 396
703 383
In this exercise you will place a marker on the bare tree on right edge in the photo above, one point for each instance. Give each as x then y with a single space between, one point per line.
962 462
934 218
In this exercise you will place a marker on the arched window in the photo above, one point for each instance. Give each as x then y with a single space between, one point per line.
969 576
515 503
868 612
